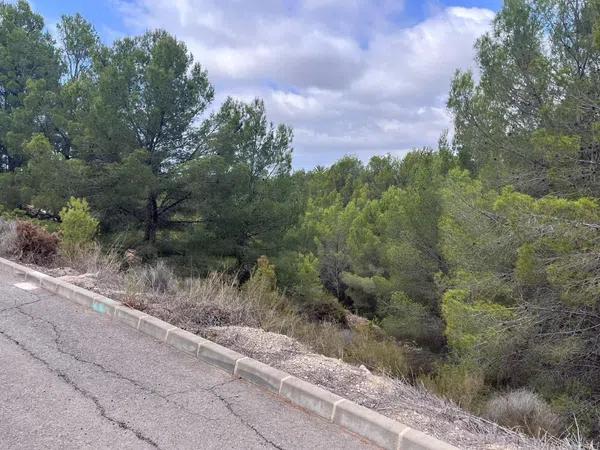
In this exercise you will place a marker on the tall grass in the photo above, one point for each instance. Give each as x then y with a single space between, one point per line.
196 304
8 238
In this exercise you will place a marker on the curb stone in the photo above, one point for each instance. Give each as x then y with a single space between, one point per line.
365 422
260 374
313 398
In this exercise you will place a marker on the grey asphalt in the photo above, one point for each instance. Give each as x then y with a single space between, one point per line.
70 378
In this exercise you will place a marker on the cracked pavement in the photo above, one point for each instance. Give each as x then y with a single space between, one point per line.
70 378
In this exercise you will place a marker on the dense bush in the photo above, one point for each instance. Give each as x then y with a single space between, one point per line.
463 384
410 321
78 227
34 244
324 310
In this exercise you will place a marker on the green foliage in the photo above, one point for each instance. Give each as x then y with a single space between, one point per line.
380 237
463 383
27 56
471 323
78 227
264 275
148 96
409 321
242 186
526 266
302 278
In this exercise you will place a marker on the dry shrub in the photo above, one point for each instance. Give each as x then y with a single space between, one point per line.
196 304
215 301
105 265
524 411
35 244
156 279
94 259
8 238
325 310
322 338
363 346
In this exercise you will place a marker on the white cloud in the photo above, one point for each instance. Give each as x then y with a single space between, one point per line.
343 73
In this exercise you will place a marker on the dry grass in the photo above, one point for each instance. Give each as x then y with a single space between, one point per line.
95 260
523 410
217 300
8 238
156 279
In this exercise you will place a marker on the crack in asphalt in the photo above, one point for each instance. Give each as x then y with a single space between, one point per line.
103 369
229 407
11 308
166 397
86 394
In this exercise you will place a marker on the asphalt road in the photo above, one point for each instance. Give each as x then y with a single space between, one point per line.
72 379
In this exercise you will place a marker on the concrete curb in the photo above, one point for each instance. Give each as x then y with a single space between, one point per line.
365 422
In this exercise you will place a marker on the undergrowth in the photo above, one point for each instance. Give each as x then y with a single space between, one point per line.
217 300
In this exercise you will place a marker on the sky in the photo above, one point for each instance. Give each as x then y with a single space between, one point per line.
356 77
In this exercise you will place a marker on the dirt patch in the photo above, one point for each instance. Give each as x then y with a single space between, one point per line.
87 280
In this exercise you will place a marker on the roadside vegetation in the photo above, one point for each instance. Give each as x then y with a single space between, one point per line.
470 268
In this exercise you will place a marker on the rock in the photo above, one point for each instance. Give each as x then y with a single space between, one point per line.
364 369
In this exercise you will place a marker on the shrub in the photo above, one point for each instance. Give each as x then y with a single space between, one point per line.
382 355
303 278
8 238
264 274
463 384
408 320
324 310
157 278
35 244
78 226
525 411
470 323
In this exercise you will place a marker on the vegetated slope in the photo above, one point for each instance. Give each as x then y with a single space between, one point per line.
217 301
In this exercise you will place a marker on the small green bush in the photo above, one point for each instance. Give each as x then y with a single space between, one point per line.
78 226
381 355
264 274
463 384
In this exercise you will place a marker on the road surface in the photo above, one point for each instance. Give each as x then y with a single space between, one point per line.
70 378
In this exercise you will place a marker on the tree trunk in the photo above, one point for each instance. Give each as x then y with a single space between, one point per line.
151 219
